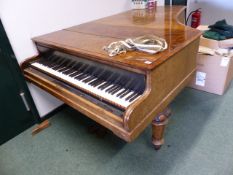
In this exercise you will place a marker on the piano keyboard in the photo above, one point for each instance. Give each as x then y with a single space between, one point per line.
112 87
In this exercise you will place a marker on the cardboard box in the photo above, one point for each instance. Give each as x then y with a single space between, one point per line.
214 74
214 44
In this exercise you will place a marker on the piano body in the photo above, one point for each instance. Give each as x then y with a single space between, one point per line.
124 93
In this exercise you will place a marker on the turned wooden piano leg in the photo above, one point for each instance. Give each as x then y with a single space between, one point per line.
158 128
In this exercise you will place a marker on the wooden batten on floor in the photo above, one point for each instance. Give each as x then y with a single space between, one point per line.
45 124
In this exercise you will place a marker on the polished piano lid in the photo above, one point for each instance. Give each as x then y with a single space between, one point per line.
87 40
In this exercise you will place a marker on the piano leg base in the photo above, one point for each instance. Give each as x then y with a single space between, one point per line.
158 128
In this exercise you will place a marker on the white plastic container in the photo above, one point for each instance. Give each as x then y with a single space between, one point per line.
139 4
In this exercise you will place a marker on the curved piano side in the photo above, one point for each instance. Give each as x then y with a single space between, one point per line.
164 82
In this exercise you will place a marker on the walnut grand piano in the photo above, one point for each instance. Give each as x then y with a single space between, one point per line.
127 92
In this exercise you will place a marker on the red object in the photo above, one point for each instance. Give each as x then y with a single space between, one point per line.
151 4
196 18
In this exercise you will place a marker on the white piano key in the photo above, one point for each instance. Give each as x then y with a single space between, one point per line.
94 90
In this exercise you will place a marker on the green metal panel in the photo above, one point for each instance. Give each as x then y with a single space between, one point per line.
14 117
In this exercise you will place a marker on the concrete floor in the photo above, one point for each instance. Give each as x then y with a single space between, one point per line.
199 141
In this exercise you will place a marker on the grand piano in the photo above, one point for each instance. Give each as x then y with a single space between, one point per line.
127 92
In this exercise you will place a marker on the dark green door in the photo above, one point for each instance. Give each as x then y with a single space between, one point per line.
17 110
176 2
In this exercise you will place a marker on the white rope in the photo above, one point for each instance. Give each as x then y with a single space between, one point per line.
149 43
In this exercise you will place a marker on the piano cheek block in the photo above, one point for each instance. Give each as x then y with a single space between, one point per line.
123 95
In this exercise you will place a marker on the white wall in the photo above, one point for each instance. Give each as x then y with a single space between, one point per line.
213 10
24 19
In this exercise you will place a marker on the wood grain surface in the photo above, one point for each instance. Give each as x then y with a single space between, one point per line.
168 73
87 40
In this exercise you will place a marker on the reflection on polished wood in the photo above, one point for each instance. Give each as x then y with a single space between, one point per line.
166 73
88 39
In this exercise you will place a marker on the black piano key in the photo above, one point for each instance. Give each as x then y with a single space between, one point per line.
70 71
74 74
44 62
65 63
52 65
110 88
78 76
93 74
81 69
87 72
102 87
128 86
115 82
66 71
118 87
101 78
84 76
58 59
108 85
89 79
51 61
129 97
110 78
126 93
66 67
115 85
93 82
70 68
84 69
116 90
57 67
61 64
62 69
74 70
98 83
134 97
113 89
